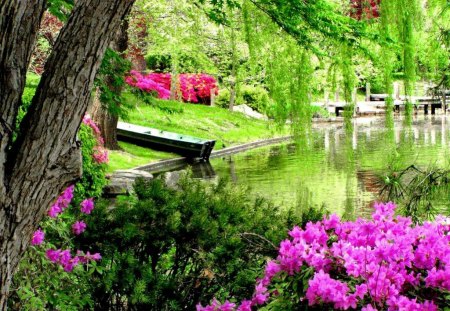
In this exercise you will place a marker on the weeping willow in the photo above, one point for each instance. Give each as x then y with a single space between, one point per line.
400 19
348 80
287 69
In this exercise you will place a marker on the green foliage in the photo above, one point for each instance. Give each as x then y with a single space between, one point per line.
93 180
110 80
255 97
31 84
39 285
186 62
414 189
168 249
60 8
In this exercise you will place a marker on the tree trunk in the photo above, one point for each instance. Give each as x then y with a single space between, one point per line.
45 158
19 23
101 115
106 121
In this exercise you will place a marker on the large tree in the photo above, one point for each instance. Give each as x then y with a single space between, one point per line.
45 158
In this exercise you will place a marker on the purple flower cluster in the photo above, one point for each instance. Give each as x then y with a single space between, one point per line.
194 88
38 237
89 122
62 202
150 83
373 264
100 154
78 227
64 258
87 206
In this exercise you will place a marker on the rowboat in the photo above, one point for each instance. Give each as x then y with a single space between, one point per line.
185 145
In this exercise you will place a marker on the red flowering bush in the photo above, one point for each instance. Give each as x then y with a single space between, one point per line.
48 32
193 88
365 9
386 263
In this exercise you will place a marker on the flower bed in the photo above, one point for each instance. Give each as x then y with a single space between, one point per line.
386 263
193 88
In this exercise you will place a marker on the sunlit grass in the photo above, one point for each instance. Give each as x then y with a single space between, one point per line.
226 127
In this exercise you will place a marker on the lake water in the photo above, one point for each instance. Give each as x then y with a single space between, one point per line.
336 168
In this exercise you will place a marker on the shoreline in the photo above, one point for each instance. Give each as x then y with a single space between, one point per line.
176 162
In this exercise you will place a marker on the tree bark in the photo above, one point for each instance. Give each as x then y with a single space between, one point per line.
19 23
45 158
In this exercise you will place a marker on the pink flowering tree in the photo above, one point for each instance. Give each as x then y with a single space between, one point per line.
385 263
193 88
53 252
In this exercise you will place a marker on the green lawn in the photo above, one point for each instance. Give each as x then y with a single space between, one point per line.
227 128
133 156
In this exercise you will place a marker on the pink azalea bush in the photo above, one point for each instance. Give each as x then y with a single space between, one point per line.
95 153
194 88
386 263
99 153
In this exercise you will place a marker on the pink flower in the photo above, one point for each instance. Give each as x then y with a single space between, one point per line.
88 257
245 305
78 227
38 237
62 202
100 155
53 255
87 205
89 122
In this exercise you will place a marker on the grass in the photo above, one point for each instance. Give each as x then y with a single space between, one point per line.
133 156
226 127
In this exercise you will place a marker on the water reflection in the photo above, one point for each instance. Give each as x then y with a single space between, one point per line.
337 168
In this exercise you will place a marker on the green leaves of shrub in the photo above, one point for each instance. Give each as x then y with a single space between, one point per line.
168 249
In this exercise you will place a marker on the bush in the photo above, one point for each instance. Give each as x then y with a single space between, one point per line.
167 249
386 263
193 88
222 100
255 97
192 62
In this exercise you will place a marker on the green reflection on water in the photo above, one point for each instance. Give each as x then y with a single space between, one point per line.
338 168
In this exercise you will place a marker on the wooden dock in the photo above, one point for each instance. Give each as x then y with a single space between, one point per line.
377 104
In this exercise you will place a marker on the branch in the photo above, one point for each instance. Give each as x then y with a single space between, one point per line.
19 24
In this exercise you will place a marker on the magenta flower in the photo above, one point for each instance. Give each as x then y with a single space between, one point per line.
193 87
53 255
100 155
89 122
38 237
245 305
378 261
87 206
62 202
78 227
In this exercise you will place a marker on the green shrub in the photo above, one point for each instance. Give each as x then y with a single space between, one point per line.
167 249
255 97
223 99
187 62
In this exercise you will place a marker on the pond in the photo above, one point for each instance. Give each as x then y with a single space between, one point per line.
334 167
